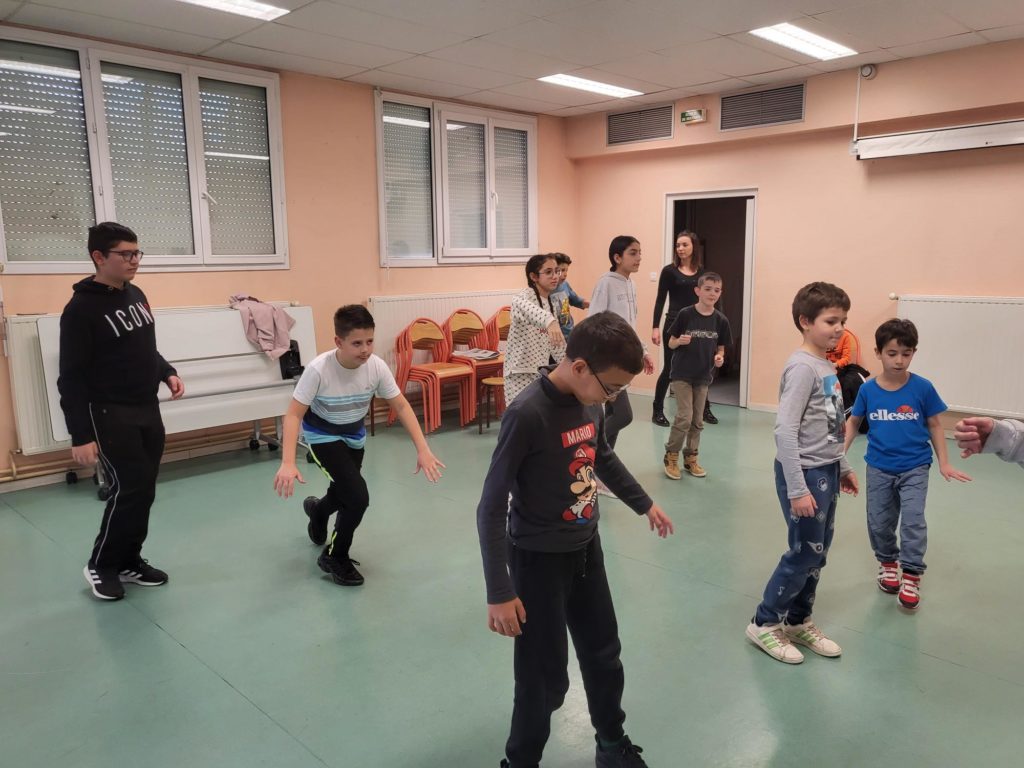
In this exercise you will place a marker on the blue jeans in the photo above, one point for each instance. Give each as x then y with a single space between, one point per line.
789 595
897 498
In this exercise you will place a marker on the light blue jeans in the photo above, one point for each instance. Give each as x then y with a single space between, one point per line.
897 499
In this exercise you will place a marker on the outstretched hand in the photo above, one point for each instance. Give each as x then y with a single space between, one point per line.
659 521
972 433
430 465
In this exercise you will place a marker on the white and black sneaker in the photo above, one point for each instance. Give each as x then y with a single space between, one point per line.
143 574
103 582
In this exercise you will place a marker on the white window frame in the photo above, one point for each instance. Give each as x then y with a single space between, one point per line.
441 112
90 55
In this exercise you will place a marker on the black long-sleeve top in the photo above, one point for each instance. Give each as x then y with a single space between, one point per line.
549 448
679 289
107 353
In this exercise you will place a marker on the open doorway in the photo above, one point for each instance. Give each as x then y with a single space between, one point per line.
724 221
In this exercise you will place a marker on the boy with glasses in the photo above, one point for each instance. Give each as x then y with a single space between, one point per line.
110 372
543 563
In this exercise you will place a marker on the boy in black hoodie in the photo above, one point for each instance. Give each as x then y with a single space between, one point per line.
110 371
537 522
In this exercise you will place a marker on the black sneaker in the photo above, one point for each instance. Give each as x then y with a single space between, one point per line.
143 574
709 417
317 528
660 420
625 755
103 582
343 571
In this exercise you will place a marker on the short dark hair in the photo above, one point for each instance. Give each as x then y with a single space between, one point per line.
709 277
814 298
107 234
350 317
903 332
563 259
619 245
604 340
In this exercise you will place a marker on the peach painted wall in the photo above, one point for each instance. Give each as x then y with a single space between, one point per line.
927 224
331 193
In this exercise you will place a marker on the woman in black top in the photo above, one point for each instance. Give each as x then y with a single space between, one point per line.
679 282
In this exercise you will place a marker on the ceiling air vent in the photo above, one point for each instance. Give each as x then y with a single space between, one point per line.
769 107
641 125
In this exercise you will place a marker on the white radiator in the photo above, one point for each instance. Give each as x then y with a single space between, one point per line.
393 313
227 380
972 349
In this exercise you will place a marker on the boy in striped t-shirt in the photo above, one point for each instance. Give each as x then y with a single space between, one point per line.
330 404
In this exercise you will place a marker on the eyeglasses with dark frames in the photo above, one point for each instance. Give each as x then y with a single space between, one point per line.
609 393
128 255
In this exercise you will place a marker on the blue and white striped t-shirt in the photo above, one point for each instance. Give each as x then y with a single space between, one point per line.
341 396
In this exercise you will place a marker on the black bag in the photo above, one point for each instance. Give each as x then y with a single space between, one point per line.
851 377
291 363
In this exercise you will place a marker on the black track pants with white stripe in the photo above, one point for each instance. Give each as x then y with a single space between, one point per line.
130 439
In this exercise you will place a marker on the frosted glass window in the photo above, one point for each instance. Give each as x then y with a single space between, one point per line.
46 196
236 149
512 185
148 156
467 184
408 182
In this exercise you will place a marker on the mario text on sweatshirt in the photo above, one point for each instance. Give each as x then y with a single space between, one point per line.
107 353
549 450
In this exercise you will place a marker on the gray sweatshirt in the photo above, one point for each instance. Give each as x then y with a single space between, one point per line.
1007 441
809 427
616 293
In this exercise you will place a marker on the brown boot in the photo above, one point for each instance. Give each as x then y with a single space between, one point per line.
672 465
690 465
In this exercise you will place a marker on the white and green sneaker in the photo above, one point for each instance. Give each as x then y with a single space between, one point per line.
809 636
773 640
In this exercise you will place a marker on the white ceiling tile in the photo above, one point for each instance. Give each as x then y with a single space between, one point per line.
727 17
451 72
940 45
663 97
472 18
726 55
655 68
245 54
576 111
556 94
633 25
371 28
509 101
850 62
889 23
1004 33
165 14
501 58
728 85
7 7
110 29
547 7
414 85
811 7
301 42
581 48
788 75
984 14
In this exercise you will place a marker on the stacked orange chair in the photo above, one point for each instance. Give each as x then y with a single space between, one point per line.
496 330
427 335
464 326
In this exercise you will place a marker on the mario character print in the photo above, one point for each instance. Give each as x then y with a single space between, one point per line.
583 486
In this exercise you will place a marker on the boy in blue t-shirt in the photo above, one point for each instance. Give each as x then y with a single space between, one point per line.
903 410
564 296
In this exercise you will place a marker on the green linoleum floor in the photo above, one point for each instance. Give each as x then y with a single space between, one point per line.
251 657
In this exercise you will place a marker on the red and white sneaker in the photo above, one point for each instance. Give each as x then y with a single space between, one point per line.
889 577
910 591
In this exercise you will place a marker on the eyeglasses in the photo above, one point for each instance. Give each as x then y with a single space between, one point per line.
609 394
548 272
129 255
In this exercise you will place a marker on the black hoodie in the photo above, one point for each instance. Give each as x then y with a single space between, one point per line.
107 353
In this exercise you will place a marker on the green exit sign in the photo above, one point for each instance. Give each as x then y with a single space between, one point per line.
693 116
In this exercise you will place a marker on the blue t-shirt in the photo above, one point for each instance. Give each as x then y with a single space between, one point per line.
898 438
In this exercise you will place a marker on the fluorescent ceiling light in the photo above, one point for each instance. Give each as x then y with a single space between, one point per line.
33 110
803 41
240 157
249 8
590 85
47 69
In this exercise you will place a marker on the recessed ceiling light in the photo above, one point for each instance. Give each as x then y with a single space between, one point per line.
803 41
590 85
249 8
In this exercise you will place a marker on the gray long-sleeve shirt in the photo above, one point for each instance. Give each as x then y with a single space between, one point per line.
809 427
549 448
1007 441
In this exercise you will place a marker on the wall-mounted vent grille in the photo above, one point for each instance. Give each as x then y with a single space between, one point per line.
768 107
641 125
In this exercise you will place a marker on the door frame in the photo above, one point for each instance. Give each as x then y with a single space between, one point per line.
671 198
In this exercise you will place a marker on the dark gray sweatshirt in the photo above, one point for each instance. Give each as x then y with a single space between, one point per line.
549 448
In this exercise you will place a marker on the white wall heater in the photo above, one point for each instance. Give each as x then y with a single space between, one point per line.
950 139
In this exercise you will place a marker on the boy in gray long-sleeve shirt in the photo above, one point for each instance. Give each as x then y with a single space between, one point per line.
810 470
543 562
